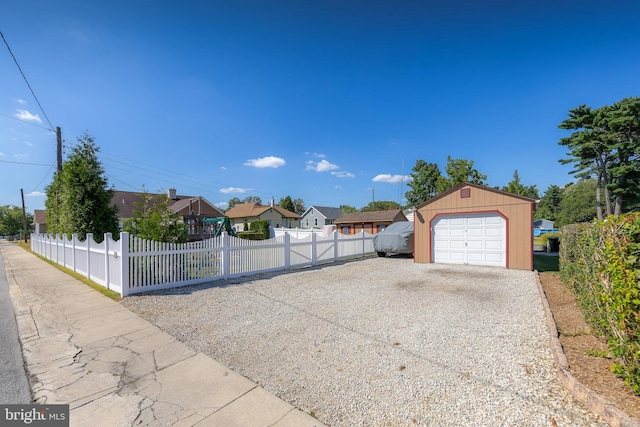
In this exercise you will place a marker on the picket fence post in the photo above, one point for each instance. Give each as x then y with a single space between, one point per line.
225 255
87 242
124 263
107 237
336 252
314 249
287 250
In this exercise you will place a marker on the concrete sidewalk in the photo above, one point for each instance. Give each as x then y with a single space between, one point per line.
115 369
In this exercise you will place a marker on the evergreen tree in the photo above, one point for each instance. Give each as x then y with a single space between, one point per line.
79 198
287 203
515 186
549 207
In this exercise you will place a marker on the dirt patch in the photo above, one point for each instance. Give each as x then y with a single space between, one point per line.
586 352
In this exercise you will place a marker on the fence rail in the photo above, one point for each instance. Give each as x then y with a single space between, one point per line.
131 265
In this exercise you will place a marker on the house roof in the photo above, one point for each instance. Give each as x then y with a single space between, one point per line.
480 187
246 210
325 211
373 216
39 216
128 202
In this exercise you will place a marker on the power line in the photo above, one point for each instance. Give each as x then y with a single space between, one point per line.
25 121
25 163
42 180
26 81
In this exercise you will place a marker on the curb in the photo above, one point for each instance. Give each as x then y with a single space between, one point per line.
583 394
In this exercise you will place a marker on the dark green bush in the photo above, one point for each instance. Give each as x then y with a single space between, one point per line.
261 227
251 235
601 264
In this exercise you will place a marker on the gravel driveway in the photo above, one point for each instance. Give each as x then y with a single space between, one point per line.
382 341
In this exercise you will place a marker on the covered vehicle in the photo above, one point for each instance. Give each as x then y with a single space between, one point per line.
397 238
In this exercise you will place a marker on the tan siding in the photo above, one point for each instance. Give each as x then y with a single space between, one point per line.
517 211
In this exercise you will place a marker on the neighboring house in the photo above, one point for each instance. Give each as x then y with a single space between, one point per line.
192 209
543 226
242 215
39 221
371 222
319 216
409 213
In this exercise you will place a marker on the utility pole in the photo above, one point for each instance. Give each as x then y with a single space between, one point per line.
59 138
24 217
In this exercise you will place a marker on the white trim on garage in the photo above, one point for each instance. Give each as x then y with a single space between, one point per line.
475 239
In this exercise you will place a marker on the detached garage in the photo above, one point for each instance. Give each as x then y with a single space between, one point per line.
476 225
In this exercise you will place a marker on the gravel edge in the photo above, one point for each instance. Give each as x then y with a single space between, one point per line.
583 394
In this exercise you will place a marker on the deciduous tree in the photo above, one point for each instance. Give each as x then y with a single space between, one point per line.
154 220
11 220
423 184
381 205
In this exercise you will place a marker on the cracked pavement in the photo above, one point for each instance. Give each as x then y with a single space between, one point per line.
114 368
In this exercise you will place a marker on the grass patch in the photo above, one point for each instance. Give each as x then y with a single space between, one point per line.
104 291
544 263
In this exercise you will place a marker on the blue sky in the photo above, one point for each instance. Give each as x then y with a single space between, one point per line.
321 100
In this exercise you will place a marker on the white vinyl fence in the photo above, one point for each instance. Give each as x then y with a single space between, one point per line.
131 265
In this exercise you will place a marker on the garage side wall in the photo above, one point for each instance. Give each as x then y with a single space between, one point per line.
471 199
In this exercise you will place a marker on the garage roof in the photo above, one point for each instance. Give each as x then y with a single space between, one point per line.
480 187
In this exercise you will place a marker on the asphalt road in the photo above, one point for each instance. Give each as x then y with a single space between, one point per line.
14 385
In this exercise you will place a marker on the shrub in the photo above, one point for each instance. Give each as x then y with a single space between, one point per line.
261 227
251 235
601 264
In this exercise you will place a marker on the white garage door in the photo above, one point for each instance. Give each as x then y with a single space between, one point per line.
477 239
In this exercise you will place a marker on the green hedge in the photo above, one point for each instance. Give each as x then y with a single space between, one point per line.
251 235
600 262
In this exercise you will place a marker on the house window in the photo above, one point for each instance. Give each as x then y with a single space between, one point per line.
345 229
316 224
381 227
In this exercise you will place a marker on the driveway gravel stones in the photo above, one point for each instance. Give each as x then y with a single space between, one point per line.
381 342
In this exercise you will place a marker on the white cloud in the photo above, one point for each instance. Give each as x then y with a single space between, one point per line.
321 166
343 174
224 168
35 194
391 179
21 156
27 116
266 162
230 190
2 154
337 187
221 204
21 101
318 155
27 143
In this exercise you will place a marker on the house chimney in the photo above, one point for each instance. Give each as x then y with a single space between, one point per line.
172 194
273 202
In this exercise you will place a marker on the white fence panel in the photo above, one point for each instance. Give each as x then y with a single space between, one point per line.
301 251
132 265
